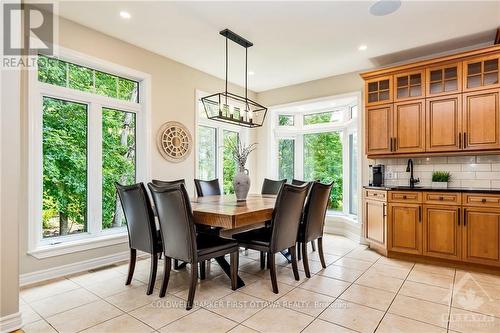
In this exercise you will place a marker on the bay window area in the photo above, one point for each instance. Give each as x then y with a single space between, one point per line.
86 124
318 141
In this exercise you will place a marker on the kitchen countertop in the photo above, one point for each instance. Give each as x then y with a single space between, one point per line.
428 188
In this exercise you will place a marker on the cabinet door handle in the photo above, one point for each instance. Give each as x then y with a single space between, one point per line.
395 144
459 140
465 140
390 141
458 216
465 217
384 210
419 214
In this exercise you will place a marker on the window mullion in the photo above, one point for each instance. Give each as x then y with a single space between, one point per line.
299 157
94 175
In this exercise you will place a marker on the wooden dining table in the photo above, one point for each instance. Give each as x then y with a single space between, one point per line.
226 213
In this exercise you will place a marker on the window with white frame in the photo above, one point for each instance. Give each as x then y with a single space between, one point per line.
88 133
319 143
213 160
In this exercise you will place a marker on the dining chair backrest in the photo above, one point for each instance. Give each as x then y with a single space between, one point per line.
272 186
286 216
158 182
176 221
315 210
139 215
207 187
297 182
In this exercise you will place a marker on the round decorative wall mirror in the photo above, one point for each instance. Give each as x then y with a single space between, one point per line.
174 141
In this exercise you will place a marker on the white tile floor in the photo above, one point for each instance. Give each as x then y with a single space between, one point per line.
359 291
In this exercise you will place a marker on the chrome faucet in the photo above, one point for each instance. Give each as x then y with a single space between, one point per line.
409 168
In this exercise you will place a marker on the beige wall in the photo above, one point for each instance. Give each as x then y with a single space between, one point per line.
172 98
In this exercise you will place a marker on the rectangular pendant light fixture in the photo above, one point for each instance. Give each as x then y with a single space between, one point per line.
231 108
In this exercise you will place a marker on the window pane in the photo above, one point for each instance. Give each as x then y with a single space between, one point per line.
353 174
52 71
229 163
286 151
65 74
64 133
118 162
105 84
285 120
207 152
323 162
81 78
323 117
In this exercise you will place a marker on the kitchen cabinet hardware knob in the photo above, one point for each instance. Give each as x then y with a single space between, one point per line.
483 200
441 198
404 196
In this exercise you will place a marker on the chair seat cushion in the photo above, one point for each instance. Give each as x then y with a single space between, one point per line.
210 243
260 236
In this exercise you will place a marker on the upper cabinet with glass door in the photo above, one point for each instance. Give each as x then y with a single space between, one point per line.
482 73
378 90
444 79
409 85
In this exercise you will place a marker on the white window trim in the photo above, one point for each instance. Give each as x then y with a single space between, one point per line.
297 131
219 128
93 238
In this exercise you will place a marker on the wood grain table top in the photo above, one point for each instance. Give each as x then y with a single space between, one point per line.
226 212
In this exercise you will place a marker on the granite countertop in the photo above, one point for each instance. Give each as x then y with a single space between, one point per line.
428 188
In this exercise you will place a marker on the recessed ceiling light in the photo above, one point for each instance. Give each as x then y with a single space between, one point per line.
385 7
251 73
125 15
362 47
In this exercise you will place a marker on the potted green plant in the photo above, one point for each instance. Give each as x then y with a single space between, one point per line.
440 179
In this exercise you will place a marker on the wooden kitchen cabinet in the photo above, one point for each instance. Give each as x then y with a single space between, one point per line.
441 231
409 127
444 79
405 228
379 129
481 120
378 90
481 235
375 213
444 123
481 72
409 85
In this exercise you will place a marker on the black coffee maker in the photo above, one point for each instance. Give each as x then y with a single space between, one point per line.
376 175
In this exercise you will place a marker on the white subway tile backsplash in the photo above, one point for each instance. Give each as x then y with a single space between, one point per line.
466 171
462 159
476 167
488 175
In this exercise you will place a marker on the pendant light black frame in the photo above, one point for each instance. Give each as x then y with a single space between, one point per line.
255 113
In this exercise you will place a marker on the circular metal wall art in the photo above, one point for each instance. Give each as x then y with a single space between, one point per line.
174 141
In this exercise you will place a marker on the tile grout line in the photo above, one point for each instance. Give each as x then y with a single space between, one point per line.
451 301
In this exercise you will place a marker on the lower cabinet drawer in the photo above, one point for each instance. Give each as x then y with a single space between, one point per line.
437 198
376 195
405 197
481 200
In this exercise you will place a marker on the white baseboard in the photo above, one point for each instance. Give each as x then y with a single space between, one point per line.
76 267
11 322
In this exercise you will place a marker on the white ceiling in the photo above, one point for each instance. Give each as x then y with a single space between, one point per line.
293 41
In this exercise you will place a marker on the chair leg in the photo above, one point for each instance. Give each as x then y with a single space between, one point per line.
152 273
131 266
234 270
192 286
294 263
272 265
268 264
313 244
320 251
166 275
262 260
305 260
202 270
299 256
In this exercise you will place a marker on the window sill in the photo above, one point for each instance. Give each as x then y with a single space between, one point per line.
83 244
339 216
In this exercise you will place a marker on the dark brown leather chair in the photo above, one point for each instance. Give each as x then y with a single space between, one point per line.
300 183
283 231
207 187
313 221
142 232
272 186
181 240
158 182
